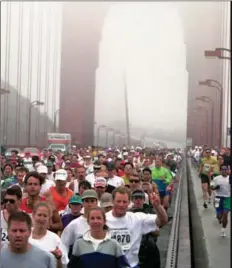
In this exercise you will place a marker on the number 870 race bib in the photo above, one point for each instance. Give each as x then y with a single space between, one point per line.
122 236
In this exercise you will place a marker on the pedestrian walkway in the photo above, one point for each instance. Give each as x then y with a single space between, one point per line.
218 248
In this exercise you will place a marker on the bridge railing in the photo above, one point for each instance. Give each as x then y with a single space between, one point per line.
179 249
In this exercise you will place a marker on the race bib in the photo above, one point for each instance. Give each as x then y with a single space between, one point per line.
5 236
122 236
207 167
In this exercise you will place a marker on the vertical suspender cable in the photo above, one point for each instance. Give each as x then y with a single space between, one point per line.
6 102
3 108
19 74
55 40
47 75
39 60
30 66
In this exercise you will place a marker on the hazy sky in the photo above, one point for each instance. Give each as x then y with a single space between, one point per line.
144 42
141 42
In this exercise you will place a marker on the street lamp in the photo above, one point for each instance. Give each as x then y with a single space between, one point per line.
209 100
217 53
55 119
98 133
218 86
32 104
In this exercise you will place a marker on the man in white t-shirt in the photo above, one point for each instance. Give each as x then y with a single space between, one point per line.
128 227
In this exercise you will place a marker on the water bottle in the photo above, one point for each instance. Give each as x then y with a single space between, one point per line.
216 202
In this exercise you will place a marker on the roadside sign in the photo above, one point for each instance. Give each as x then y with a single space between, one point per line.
189 142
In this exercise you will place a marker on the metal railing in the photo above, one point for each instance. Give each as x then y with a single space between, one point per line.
179 249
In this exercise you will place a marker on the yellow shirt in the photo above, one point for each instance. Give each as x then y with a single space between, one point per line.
207 164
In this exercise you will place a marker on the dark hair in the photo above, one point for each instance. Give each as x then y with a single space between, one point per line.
34 174
84 184
14 190
20 216
105 227
22 169
8 165
128 163
147 169
121 190
35 158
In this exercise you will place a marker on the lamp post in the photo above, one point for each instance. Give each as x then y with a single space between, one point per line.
98 133
209 100
55 119
218 53
215 84
32 104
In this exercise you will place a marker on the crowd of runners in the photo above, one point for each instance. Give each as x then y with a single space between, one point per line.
213 166
88 208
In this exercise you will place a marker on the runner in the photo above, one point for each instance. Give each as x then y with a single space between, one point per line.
205 173
96 247
21 253
221 185
12 200
128 228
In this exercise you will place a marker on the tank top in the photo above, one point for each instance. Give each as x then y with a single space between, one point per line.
4 227
60 201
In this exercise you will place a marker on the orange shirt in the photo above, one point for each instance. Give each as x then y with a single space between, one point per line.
60 201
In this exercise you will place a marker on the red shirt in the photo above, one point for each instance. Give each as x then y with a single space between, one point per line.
24 206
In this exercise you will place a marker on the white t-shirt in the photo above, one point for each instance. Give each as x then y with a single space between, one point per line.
46 186
4 233
224 183
91 179
49 243
128 231
74 230
116 181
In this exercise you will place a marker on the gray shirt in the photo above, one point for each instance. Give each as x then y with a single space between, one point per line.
35 258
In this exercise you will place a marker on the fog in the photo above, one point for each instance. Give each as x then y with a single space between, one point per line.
143 46
142 49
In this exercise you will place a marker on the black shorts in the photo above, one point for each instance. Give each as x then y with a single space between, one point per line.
204 179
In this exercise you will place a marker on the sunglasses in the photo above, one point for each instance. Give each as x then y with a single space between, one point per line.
135 181
11 201
208 152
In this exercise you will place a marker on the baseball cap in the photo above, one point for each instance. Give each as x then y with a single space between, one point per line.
138 193
49 164
75 199
61 175
89 194
106 200
100 182
42 169
110 166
